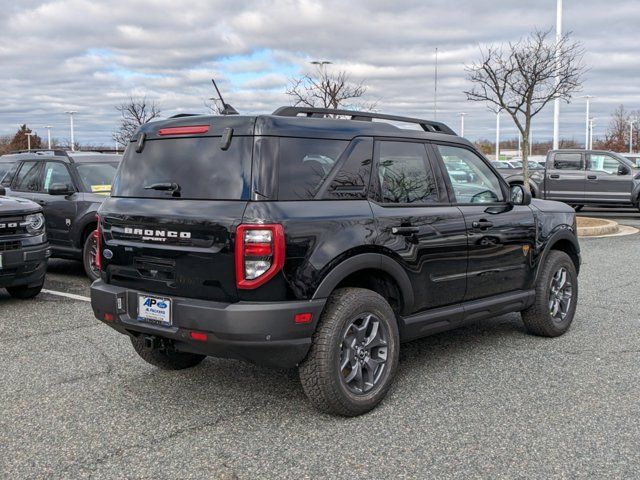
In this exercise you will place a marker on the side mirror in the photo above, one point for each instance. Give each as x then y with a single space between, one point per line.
60 189
623 170
3 191
520 195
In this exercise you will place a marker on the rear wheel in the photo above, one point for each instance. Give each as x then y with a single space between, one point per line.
354 354
24 292
556 297
165 359
89 253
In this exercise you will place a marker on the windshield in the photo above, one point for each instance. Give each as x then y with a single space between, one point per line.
4 170
97 177
187 168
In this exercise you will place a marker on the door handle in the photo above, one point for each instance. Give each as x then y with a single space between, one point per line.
554 175
482 224
592 177
405 230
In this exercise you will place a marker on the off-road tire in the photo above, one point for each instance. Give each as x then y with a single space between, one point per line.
537 318
320 371
87 257
165 359
24 292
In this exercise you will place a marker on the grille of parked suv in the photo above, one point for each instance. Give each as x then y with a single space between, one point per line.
11 225
7 246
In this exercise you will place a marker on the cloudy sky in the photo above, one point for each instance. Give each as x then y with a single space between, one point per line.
91 55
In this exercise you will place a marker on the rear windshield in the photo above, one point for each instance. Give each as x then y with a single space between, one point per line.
198 166
97 177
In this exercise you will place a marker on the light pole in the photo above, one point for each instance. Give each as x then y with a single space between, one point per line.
462 115
498 135
48 127
556 103
631 122
586 123
591 133
321 64
29 135
71 113
435 88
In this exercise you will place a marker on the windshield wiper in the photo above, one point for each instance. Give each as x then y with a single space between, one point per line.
172 187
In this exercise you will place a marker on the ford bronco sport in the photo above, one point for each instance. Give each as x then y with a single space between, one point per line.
23 247
321 239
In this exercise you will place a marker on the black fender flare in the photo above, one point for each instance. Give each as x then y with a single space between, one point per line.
81 225
563 234
365 261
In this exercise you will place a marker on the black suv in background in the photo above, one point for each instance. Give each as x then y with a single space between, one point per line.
70 187
23 247
321 239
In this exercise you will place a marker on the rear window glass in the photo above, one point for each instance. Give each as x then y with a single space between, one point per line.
198 166
567 161
304 164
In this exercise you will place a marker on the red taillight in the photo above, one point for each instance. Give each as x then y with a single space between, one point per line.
108 317
199 336
259 254
96 233
186 130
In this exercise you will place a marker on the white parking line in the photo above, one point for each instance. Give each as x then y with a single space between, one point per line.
67 295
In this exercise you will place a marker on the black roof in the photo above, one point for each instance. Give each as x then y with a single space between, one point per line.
61 155
310 123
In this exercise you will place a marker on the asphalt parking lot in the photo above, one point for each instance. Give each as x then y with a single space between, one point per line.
488 401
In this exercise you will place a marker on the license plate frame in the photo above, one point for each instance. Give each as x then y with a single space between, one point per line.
155 310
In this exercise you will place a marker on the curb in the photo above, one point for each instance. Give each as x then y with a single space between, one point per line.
609 228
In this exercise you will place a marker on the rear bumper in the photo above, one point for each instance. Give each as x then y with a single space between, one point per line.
263 333
24 267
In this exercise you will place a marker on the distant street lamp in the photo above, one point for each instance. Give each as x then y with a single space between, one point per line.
29 135
631 122
586 126
556 102
498 135
321 64
462 115
48 127
71 113
591 122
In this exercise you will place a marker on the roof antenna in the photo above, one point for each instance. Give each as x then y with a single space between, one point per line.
226 108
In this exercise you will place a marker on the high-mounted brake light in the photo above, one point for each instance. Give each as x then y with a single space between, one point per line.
97 235
259 254
186 130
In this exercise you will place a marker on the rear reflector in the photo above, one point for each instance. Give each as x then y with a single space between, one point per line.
199 336
302 318
107 317
187 130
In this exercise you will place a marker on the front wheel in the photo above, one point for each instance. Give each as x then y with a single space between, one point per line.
354 353
24 292
556 297
89 253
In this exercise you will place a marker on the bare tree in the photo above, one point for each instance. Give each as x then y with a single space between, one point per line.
617 136
134 113
327 89
522 78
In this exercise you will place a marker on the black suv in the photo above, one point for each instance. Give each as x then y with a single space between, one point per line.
70 186
23 247
321 239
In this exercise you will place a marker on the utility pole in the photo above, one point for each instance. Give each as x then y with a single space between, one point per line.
48 127
435 88
586 126
556 103
462 115
71 113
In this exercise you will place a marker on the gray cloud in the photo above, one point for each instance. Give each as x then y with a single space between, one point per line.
90 56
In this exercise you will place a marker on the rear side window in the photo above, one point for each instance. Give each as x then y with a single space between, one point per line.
351 179
405 173
304 164
198 166
28 179
567 161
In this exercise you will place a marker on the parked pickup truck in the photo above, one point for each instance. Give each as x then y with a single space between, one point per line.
583 177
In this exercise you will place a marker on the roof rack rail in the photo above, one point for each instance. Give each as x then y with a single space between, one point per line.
41 151
427 125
